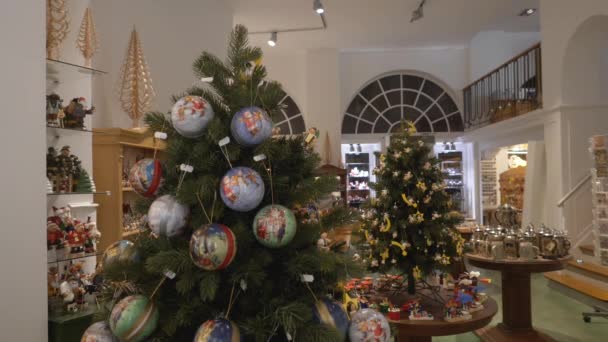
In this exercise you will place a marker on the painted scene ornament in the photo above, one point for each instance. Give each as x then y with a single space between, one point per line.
98 332
330 312
190 116
146 177
134 318
167 217
369 325
218 330
242 189
122 250
250 126
212 247
274 226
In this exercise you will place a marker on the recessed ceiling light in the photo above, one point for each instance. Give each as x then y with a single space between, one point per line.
273 39
527 12
318 7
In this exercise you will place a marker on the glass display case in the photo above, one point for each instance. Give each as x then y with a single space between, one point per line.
359 161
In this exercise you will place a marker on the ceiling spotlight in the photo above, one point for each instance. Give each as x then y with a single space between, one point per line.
273 39
417 13
527 12
359 148
318 7
352 148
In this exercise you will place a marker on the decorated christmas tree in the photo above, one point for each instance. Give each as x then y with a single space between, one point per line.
409 226
85 183
232 248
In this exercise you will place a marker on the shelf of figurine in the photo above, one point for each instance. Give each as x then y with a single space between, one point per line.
415 312
71 290
65 173
355 172
69 117
531 244
69 238
132 221
358 185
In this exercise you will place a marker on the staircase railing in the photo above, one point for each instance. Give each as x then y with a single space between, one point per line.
512 89
580 236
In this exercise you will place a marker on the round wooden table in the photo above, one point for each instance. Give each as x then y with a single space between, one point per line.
422 331
516 298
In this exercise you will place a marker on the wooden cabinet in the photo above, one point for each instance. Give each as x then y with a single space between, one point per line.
115 151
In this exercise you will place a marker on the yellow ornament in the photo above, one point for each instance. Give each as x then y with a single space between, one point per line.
420 185
409 202
384 255
387 225
368 238
401 246
411 128
417 273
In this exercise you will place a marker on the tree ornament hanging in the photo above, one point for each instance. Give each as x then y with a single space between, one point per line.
251 126
146 177
135 90
167 217
134 318
213 247
218 330
99 332
242 189
331 313
57 26
87 41
190 116
274 226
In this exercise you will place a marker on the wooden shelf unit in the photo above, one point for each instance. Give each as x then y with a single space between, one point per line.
111 146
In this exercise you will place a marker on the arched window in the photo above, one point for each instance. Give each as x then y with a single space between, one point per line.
387 100
290 121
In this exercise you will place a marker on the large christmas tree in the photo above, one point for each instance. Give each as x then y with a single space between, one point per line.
409 226
261 290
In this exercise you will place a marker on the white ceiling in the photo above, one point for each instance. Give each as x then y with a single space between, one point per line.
362 24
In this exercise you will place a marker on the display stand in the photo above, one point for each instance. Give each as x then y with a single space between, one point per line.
516 296
423 330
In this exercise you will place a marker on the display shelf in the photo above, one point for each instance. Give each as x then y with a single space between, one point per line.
75 257
357 163
58 66
359 189
127 189
63 129
107 193
83 205
132 232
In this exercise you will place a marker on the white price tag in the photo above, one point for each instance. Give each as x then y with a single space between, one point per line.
169 274
288 336
307 278
243 284
207 79
261 83
160 135
224 141
186 168
259 157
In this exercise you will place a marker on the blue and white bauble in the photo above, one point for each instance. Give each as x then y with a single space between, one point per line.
250 126
190 116
330 312
218 330
167 217
242 189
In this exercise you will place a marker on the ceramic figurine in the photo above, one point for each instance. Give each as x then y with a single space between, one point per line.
323 243
75 113
54 106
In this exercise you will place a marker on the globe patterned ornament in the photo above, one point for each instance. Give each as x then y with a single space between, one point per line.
167 217
134 318
98 332
122 250
250 126
146 177
242 189
369 325
212 247
190 116
274 226
330 312
218 330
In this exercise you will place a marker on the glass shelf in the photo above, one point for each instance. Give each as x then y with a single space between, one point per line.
75 257
61 129
55 66
108 193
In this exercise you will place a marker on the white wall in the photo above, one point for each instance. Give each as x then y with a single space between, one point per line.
23 244
489 49
172 36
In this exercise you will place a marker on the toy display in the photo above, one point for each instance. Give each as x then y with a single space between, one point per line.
75 113
274 226
190 116
250 126
168 217
70 288
329 312
213 247
64 232
132 220
134 318
369 325
98 332
54 110
416 312
218 330
146 177
63 169
242 189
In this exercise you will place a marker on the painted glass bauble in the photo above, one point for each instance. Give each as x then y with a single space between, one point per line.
330 312
242 189
369 325
190 116
212 247
274 226
250 126
146 177
167 217
98 332
122 250
218 330
134 318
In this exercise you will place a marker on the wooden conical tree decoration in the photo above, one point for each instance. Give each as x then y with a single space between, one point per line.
135 89
87 38
57 26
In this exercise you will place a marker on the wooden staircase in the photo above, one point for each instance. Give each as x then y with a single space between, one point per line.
583 280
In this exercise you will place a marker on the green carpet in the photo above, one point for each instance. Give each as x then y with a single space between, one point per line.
553 313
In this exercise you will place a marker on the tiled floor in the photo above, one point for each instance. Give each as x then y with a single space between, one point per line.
552 313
